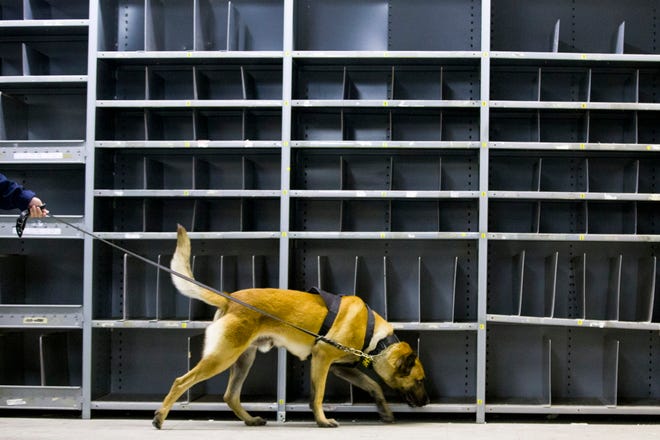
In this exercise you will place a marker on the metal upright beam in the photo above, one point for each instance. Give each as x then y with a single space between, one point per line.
88 251
287 83
483 210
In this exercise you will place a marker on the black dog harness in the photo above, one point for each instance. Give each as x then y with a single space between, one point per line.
332 302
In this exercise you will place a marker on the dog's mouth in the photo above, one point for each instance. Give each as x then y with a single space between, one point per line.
414 400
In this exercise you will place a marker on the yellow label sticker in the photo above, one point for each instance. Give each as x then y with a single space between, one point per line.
288 169
485 54
385 103
35 320
285 143
186 144
649 148
483 235
482 326
286 103
583 105
584 56
484 145
186 192
580 322
480 401
382 235
283 233
285 192
581 237
384 144
582 146
188 54
483 193
484 103
184 325
583 195
383 193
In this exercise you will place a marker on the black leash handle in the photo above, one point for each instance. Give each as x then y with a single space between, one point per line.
25 215
22 219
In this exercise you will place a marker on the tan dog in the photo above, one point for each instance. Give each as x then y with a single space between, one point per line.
232 340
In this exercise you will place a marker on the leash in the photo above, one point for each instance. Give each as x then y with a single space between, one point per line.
367 359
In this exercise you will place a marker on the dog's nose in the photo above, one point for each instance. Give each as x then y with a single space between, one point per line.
416 401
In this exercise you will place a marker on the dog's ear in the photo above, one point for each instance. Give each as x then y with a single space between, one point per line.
405 363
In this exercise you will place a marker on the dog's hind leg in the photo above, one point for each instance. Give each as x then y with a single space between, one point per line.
219 354
205 369
360 379
237 374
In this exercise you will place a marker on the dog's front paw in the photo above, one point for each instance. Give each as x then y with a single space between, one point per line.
387 418
158 420
327 423
255 421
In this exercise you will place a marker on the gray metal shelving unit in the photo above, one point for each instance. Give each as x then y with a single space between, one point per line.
488 183
43 107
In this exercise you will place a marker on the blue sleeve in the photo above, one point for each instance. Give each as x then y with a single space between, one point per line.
13 195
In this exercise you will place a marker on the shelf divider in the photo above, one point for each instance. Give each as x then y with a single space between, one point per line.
610 371
555 36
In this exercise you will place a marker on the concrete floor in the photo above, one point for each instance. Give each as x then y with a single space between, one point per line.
13 428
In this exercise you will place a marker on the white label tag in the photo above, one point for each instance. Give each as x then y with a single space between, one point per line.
42 231
53 156
15 402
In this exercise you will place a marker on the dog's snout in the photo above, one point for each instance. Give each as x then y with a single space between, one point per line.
417 397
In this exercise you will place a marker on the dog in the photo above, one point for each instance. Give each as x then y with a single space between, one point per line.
236 333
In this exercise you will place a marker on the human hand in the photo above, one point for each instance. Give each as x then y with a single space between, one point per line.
35 207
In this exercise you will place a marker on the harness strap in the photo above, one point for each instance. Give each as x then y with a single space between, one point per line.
371 323
332 302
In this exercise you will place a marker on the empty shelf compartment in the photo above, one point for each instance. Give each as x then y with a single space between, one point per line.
55 9
383 125
27 265
380 25
384 215
190 170
61 185
564 280
180 25
391 170
150 376
145 292
172 124
563 26
56 115
157 214
555 367
538 126
32 56
40 358
404 281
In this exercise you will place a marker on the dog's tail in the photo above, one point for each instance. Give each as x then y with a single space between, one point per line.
181 264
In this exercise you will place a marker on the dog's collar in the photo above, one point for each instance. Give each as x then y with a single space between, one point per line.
384 343
380 346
